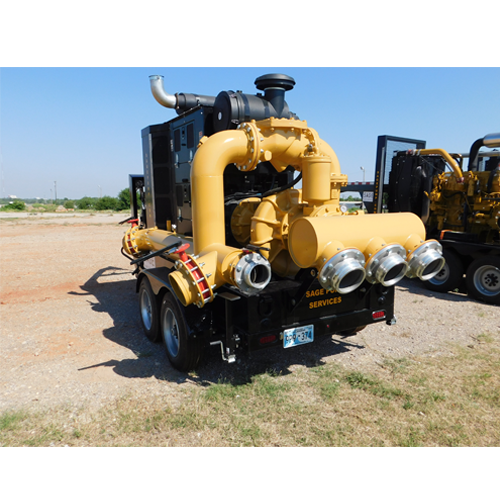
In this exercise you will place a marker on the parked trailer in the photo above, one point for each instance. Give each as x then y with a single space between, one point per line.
228 253
460 208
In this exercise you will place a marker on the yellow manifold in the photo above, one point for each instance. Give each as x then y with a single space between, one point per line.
295 228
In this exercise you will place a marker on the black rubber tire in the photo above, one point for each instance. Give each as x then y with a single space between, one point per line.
483 279
149 311
450 276
184 351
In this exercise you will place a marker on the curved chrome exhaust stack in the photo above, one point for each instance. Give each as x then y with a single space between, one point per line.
344 272
167 100
388 266
426 261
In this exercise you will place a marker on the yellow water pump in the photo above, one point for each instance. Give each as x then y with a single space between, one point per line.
230 252
297 228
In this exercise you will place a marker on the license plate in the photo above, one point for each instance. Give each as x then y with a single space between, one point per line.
298 336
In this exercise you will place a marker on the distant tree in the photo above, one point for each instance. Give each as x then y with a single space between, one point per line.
123 199
86 203
106 203
69 204
17 205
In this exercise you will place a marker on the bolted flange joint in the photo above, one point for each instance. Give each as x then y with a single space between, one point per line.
253 154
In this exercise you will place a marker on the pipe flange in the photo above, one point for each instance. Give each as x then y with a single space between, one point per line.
252 273
344 272
129 242
426 261
387 266
252 132
196 279
313 137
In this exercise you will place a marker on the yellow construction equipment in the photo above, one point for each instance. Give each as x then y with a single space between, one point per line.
286 244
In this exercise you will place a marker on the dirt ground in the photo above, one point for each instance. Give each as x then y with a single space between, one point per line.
71 334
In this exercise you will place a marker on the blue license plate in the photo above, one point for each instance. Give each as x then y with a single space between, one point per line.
298 336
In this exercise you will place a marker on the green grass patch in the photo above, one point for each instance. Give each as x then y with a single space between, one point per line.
447 401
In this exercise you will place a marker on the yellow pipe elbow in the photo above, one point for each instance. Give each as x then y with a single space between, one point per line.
207 186
451 162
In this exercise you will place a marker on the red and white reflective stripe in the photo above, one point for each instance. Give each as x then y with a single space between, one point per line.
199 278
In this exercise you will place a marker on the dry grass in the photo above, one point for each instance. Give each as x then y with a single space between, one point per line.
446 401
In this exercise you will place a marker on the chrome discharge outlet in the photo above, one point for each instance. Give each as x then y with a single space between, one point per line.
344 272
388 266
252 273
426 261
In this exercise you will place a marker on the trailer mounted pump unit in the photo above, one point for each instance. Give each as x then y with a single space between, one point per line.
226 232
459 204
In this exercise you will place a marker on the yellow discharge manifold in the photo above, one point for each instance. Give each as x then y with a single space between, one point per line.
303 228
382 248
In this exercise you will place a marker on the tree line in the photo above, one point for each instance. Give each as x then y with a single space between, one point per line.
120 202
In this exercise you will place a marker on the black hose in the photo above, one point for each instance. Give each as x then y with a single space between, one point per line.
125 255
282 188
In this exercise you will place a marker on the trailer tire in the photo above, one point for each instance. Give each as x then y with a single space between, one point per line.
148 309
483 279
450 276
184 351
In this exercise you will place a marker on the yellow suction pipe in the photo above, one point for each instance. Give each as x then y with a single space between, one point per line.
221 264
207 187
279 141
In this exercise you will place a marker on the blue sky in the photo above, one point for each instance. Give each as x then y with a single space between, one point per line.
81 127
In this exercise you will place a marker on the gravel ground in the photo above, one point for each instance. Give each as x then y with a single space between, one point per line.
71 334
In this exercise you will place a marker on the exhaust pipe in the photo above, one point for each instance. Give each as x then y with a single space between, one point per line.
489 141
181 101
167 100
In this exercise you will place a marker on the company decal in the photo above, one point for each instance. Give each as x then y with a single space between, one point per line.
327 301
